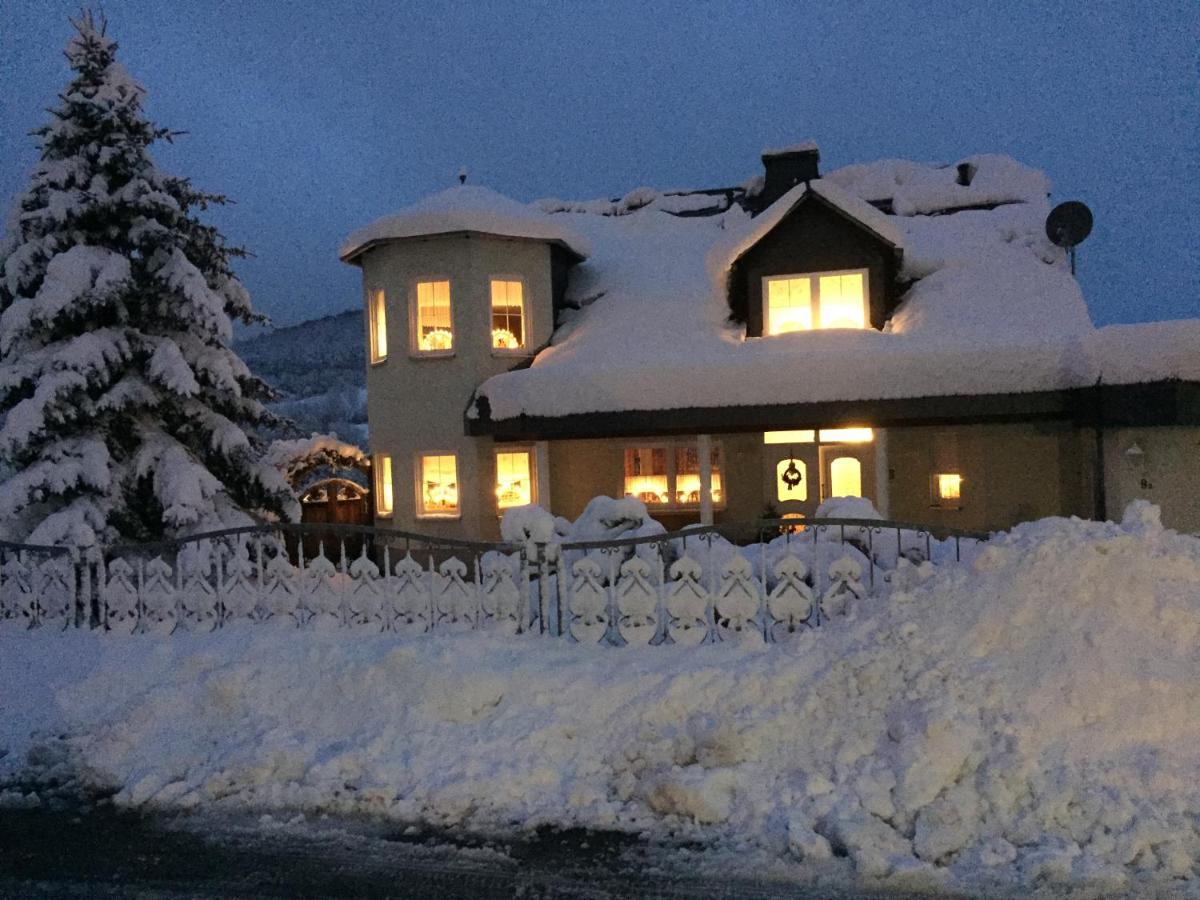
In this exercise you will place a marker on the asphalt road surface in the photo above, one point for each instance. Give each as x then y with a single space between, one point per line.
88 850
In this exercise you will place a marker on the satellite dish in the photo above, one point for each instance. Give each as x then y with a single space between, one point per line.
1068 225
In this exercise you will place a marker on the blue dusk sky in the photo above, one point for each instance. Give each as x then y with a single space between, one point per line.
318 117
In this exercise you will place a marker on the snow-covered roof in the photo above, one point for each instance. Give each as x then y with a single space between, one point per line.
807 146
726 252
466 207
992 306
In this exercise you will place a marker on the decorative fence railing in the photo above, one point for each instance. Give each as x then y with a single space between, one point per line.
687 587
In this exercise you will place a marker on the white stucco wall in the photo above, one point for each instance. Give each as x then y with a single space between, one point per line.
1161 465
416 404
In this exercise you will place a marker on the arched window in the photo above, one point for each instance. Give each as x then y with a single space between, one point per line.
845 477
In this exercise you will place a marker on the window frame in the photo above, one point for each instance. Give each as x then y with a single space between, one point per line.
531 452
523 350
936 500
814 293
376 296
414 319
419 485
378 484
671 448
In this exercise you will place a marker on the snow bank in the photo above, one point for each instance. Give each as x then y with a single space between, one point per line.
1028 719
467 207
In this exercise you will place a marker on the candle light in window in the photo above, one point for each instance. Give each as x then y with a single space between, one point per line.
437 339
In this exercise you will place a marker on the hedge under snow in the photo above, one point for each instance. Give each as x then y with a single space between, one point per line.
1027 718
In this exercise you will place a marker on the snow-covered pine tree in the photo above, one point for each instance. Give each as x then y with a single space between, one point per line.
127 415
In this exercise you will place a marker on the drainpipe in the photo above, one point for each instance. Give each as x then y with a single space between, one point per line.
704 450
882 484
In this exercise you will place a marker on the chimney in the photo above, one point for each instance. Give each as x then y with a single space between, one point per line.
785 168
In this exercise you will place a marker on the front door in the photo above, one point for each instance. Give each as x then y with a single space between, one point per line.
848 470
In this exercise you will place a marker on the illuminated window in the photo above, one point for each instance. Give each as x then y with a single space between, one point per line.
508 315
819 300
789 437
789 305
383 485
791 480
378 323
845 477
792 529
847 435
646 475
434 327
947 489
437 488
670 476
840 299
687 476
514 478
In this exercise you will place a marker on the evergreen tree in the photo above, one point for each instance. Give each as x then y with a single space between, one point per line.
127 415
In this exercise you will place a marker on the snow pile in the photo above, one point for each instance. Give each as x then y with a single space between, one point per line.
1030 718
466 207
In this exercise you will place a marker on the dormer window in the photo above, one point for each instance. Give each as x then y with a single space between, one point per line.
815 300
433 324
508 314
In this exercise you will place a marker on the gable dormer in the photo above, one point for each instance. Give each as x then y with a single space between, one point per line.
815 258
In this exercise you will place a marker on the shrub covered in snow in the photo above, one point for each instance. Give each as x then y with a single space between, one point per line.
127 414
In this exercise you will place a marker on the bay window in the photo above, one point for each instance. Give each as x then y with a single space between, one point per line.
377 319
815 301
433 325
383 485
508 314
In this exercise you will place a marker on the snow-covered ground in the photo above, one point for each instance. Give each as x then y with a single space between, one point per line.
1032 718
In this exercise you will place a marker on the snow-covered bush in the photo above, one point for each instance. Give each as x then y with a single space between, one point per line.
127 413
303 460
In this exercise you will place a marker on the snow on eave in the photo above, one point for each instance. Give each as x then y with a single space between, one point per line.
728 252
809 146
469 209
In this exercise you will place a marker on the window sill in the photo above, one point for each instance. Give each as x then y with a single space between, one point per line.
379 362
430 354
439 517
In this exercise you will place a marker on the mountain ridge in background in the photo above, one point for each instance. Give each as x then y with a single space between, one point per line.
319 369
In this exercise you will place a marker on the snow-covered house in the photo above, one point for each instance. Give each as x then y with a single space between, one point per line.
899 331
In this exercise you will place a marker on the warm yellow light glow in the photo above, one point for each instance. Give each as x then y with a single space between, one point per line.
845 476
847 435
378 319
949 486
435 328
786 471
650 489
687 488
508 315
789 437
840 300
792 529
439 485
383 485
514 479
789 305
